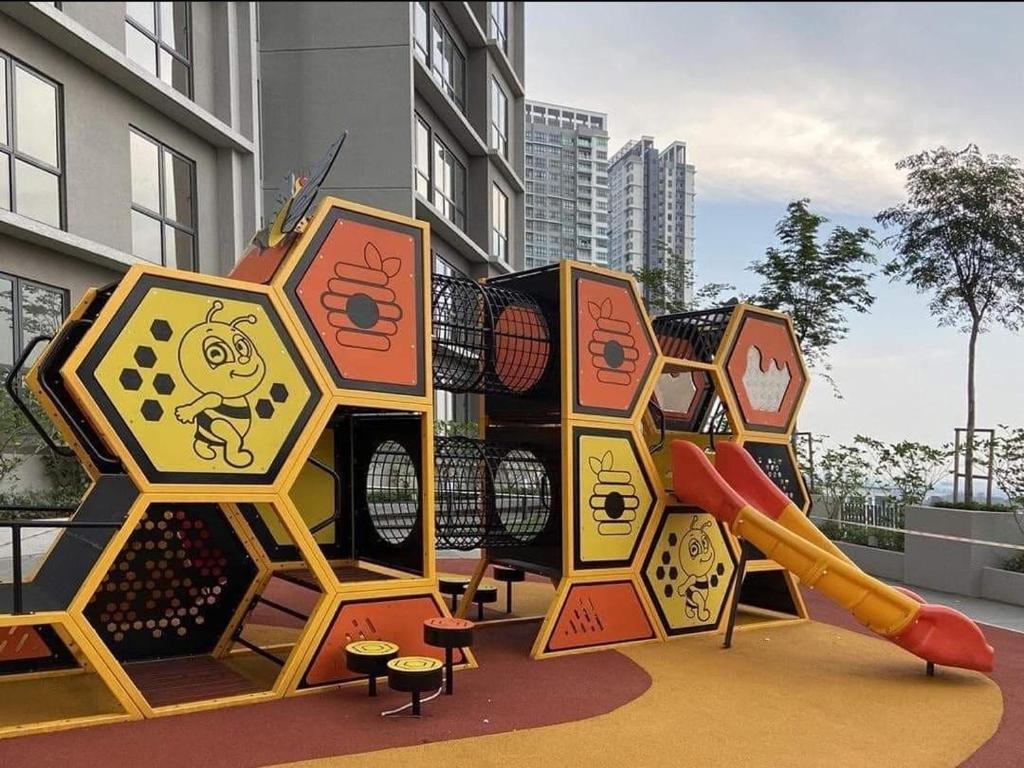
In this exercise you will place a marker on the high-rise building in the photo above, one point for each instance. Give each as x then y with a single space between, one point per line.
160 132
651 211
432 96
566 184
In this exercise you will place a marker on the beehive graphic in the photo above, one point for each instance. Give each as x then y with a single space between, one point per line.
613 351
360 304
613 500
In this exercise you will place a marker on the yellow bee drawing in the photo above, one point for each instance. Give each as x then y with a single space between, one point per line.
222 363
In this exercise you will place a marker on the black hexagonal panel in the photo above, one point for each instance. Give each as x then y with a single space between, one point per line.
264 408
152 410
279 393
130 379
163 383
161 330
174 586
145 356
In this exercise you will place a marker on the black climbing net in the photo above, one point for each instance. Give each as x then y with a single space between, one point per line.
488 495
487 339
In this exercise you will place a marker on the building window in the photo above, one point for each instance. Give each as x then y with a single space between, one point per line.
449 185
157 36
498 23
31 176
422 150
449 64
163 204
499 224
421 30
499 118
27 309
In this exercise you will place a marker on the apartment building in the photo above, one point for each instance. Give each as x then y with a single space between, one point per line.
566 185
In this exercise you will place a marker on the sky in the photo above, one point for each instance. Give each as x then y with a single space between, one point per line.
782 101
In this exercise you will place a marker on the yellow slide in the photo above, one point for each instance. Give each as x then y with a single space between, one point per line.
934 633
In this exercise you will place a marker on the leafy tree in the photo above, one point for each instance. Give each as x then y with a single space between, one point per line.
840 477
816 282
665 287
960 237
911 469
1008 470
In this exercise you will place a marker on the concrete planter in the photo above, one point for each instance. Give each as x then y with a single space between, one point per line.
883 563
956 566
1005 586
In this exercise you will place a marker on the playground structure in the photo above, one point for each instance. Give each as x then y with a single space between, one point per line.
267 486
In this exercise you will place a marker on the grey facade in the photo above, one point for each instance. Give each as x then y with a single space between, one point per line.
652 206
566 185
413 83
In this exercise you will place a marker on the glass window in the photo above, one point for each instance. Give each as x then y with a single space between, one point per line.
499 224
157 37
499 118
449 185
27 309
163 203
422 157
498 23
30 143
449 65
420 30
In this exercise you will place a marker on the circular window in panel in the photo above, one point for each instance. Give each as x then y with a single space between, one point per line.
392 492
522 495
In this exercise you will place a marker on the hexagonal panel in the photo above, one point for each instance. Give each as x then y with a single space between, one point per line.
765 371
778 461
185 373
357 286
612 343
689 571
614 497
174 586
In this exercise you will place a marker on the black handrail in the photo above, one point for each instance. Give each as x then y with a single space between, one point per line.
16 525
69 417
11 386
336 479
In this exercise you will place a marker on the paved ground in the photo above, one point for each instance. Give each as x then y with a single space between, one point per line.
989 612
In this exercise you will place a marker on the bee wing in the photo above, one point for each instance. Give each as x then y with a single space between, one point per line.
595 464
372 256
594 310
391 266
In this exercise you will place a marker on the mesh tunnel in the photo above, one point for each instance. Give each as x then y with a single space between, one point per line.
487 339
488 494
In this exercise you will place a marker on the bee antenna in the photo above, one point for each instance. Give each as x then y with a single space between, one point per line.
218 305
243 319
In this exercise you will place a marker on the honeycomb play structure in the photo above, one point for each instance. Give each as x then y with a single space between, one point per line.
268 489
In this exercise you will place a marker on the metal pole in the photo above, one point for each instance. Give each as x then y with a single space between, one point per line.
956 464
16 555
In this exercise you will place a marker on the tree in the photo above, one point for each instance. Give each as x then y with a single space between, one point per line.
910 469
960 237
816 283
840 477
665 287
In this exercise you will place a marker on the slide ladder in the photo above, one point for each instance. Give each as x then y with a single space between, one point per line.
739 494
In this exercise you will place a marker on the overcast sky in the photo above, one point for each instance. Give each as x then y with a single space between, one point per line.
777 102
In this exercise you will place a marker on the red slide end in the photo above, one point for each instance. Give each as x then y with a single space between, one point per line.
738 469
946 637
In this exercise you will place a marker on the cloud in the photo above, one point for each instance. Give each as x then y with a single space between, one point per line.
782 101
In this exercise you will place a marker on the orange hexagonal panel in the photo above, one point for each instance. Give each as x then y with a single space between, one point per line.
194 380
613 346
765 372
357 286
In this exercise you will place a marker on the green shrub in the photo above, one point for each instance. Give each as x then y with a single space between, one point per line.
1015 563
973 506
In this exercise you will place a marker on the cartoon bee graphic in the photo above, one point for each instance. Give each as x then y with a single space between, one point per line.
697 562
222 363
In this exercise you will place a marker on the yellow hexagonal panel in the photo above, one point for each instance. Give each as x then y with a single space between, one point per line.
689 571
613 497
196 382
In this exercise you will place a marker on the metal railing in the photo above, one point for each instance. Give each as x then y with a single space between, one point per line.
17 525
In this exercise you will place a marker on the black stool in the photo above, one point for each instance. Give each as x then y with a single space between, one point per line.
370 658
510 576
414 674
448 633
454 587
488 594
